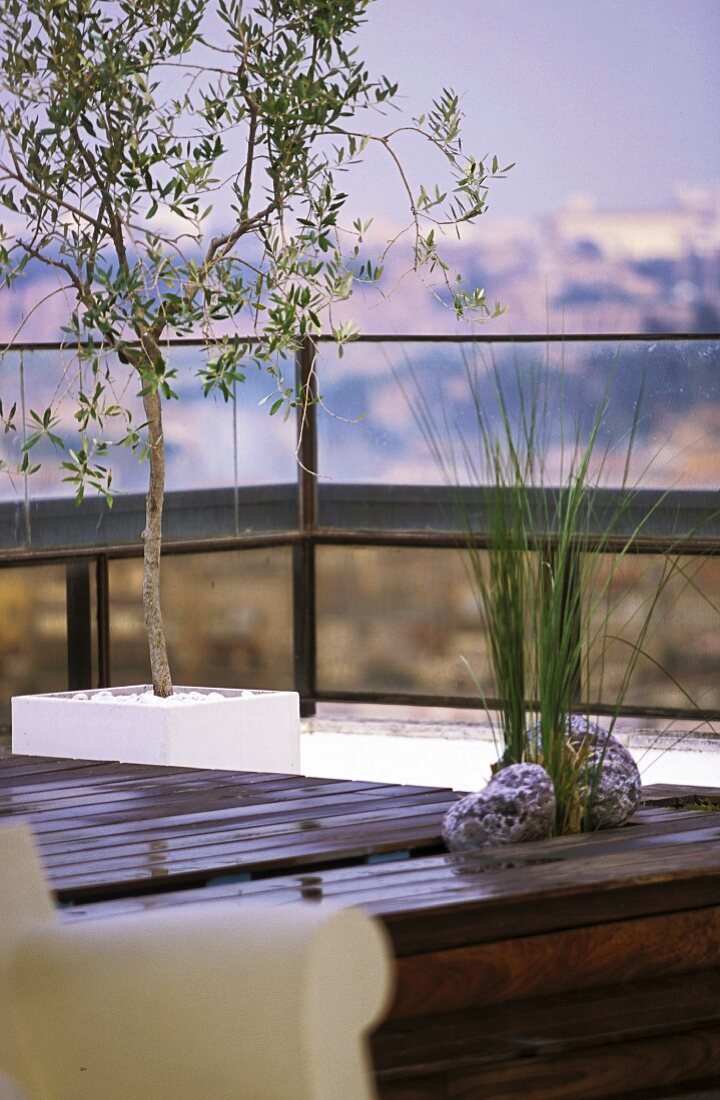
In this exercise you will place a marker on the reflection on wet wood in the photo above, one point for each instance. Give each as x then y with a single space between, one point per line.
107 829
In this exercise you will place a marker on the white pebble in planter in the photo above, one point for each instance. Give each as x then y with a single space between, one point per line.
228 728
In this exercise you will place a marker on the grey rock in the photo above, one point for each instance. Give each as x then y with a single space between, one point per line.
612 774
518 804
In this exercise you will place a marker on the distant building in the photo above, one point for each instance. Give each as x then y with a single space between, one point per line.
692 226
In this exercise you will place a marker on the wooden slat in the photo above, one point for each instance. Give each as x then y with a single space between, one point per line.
112 829
176 811
557 962
602 1015
133 803
173 779
428 908
666 794
249 846
537 1047
271 856
621 1071
29 768
85 854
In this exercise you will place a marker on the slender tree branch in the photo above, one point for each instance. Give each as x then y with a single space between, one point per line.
61 265
48 196
247 182
41 302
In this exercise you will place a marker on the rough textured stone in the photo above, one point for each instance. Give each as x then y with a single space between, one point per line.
518 804
609 768
617 787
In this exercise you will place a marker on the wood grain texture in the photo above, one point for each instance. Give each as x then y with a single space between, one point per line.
622 1071
556 963
599 1073
111 830
499 1032
553 1045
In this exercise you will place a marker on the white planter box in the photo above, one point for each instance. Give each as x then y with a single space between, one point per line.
243 731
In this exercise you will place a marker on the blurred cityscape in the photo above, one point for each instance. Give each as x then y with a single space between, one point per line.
581 268
586 269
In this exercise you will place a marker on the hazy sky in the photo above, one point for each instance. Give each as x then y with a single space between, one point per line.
618 98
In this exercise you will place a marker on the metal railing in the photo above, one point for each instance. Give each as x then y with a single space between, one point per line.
289 515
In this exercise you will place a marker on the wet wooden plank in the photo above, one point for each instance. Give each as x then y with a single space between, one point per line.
184 780
30 767
87 788
66 854
270 856
427 906
174 810
667 794
640 1070
127 798
521 942
133 826
530 861
114 829
535 900
248 849
603 1014
225 825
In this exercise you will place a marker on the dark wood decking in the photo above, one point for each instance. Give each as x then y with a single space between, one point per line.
579 967
106 830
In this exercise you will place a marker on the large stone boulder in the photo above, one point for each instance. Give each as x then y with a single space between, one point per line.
517 804
609 772
612 774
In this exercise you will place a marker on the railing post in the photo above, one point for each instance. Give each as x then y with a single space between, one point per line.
102 588
304 596
79 629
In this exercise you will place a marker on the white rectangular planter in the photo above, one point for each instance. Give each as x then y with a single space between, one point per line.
243 731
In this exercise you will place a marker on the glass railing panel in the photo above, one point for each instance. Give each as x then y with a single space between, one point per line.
667 610
655 404
227 616
211 446
33 632
397 620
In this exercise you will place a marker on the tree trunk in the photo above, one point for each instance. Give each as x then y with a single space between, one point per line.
152 540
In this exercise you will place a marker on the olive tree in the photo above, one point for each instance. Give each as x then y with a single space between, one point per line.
129 127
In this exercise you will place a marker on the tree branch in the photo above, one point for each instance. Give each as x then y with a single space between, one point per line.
49 197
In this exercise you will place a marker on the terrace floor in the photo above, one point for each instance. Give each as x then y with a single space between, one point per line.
584 966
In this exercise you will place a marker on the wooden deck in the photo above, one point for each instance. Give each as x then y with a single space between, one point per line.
579 967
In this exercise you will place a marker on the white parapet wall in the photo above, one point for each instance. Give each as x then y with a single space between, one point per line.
459 754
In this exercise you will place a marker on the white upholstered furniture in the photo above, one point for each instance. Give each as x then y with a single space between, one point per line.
210 1001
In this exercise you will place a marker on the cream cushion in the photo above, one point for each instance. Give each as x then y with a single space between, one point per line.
210 1001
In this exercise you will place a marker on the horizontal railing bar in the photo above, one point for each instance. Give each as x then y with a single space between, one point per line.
468 702
457 540
429 540
56 524
527 338
420 338
408 540
219 544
